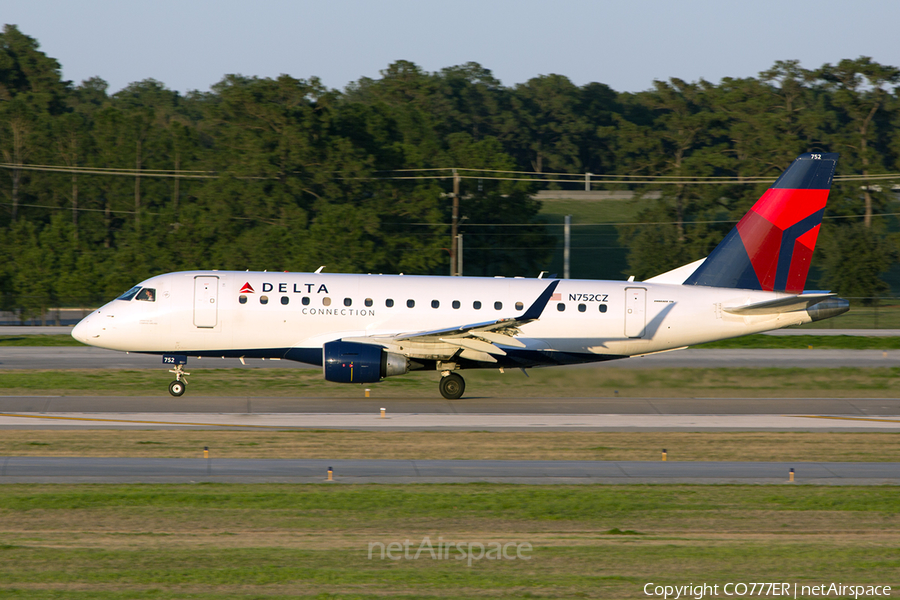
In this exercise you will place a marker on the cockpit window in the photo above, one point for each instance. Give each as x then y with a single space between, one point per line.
147 295
130 293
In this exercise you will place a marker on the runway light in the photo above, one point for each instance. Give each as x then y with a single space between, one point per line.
367 392
664 454
791 476
382 412
330 474
205 451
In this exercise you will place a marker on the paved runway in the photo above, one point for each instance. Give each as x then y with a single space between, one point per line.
162 470
66 357
449 422
410 414
166 404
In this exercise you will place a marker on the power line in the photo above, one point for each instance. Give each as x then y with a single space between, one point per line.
577 178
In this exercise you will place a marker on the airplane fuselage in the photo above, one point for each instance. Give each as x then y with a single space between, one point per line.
292 315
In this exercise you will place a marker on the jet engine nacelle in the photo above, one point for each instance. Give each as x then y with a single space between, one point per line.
351 362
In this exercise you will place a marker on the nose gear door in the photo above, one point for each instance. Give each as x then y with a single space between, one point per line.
206 292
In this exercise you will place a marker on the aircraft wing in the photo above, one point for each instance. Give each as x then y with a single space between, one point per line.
474 341
780 305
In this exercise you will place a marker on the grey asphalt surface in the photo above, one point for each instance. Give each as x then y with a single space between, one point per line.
166 404
159 470
77 357
29 357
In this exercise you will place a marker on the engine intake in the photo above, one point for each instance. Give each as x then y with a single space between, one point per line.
352 362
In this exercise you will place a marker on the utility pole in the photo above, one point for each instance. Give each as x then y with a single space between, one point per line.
454 226
459 250
567 235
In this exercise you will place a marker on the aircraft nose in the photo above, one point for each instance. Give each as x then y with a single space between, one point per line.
86 331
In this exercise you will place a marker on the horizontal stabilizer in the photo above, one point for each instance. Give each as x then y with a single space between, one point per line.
779 305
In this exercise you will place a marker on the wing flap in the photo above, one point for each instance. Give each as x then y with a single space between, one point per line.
474 344
499 338
476 355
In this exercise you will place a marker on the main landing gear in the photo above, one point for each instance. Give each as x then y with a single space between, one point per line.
179 386
452 385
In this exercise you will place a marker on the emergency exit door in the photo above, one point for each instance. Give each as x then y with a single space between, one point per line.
206 291
635 312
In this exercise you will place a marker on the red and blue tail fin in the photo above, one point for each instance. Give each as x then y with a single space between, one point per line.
771 247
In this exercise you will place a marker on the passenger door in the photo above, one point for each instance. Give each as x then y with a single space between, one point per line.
206 291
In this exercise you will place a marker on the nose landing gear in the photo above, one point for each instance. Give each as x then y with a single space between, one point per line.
452 386
179 386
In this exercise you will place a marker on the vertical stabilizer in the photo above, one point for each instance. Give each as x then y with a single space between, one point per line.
771 247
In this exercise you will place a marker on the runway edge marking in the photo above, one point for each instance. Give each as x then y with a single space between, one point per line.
844 418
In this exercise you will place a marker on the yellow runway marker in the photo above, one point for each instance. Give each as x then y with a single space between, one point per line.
140 422
845 418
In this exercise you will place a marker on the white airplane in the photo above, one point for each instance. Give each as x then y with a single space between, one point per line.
363 328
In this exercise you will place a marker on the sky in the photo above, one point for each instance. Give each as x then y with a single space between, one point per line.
626 44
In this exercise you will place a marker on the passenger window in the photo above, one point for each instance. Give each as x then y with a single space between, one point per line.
560 307
410 303
519 306
326 301
498 305
602 308
285 299
263 299
389 303
582 308
476 305
455 304
242 299
147 295
347 301
368 302
305 301
435 304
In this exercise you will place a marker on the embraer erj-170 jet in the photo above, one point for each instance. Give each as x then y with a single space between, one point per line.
363 328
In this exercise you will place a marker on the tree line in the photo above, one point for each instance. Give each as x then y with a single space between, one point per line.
287 174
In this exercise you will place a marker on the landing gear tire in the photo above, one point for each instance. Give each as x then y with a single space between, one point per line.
177 388
452 386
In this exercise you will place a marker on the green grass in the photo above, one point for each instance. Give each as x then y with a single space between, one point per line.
311 541
763 446
883 316
803 342
596 252
39 340
589 382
